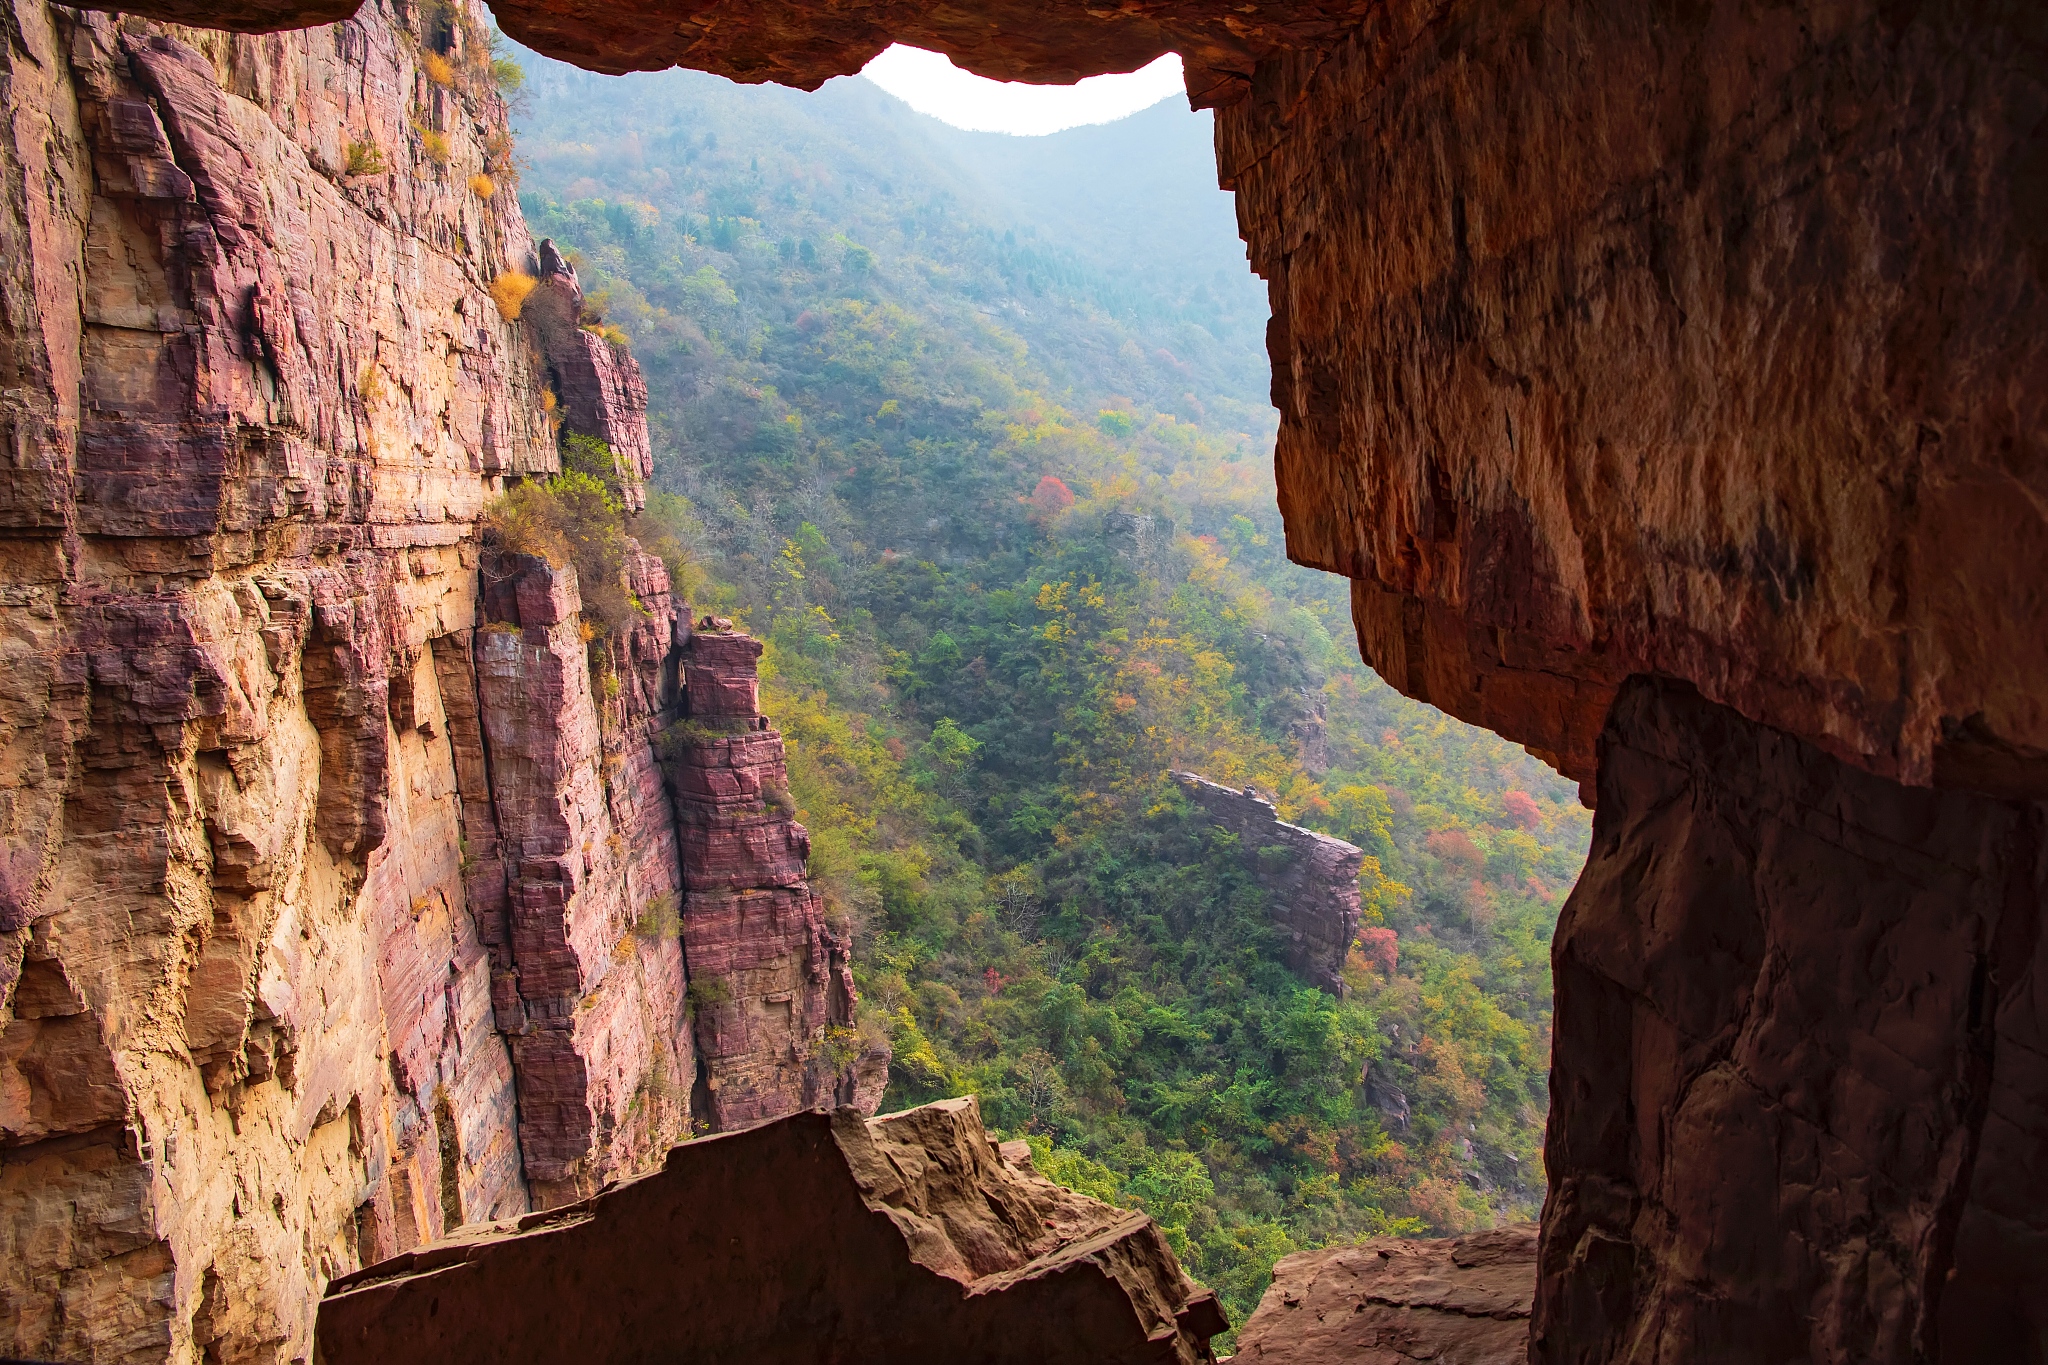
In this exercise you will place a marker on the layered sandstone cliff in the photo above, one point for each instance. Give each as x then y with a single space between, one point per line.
1310 879
340 881
775 1003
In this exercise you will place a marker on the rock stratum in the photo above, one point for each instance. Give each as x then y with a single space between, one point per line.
1310 879
344 899
1700 345
815 1237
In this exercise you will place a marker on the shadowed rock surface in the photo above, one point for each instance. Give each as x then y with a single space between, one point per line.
1798 1080
1392 1300
1311 878
815 1237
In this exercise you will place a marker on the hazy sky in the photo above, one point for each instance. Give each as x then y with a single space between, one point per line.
930 84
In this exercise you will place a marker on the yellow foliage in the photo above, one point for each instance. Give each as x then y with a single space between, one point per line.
364 158
482 186
438 68
434 144
509 292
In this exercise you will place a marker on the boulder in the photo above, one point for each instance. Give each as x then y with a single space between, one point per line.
1393 1300
821 1236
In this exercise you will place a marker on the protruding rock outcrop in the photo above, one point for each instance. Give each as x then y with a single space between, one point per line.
1800 1059
1311 879
602 393
590 975
1396 1300
772 982
818 1237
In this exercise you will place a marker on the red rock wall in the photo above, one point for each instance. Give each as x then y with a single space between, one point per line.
594 1005
339 882
1707 342
252 405
772 988
1616 338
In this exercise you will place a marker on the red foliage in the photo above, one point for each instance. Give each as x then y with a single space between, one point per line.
1379 946
995 980
1520 810
1051 496
808 322
1455 847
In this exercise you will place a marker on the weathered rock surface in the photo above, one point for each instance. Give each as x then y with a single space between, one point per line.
599 384
1701 341
1392 1300
775 1027
588 858
252 405
1311 878
816 1237
339 886
1798 1081
1613 338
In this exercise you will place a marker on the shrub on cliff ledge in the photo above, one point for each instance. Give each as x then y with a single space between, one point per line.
364 158
509 292
572 519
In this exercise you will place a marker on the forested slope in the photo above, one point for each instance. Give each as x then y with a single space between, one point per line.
995 488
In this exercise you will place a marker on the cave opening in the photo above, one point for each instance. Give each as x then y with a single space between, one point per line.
1664 382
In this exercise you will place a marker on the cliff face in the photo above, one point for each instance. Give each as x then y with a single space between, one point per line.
339 879
1706 343
1311 878
1796 1101
1707 394
774 1010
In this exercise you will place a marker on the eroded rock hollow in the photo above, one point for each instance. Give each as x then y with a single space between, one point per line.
1695 343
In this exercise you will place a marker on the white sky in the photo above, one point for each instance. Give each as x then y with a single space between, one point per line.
931 84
